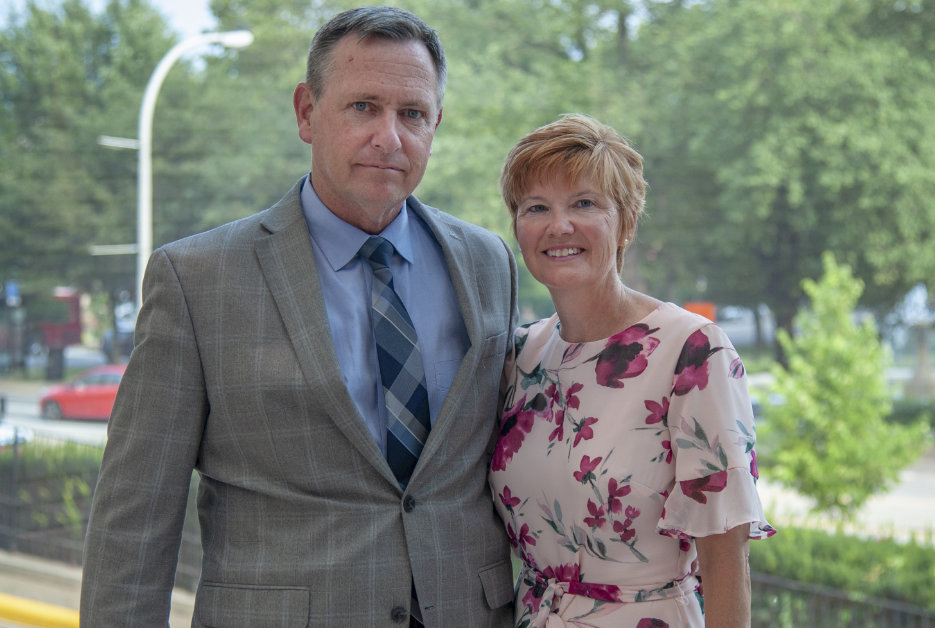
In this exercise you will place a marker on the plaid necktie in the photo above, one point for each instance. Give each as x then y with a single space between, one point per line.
401 367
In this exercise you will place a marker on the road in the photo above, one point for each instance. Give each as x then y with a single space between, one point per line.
22 412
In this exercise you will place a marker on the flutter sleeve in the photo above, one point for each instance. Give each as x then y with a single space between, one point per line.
712 437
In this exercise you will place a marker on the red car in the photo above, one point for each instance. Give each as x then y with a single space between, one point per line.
88 396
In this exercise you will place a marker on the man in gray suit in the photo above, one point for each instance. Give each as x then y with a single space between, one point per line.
256 365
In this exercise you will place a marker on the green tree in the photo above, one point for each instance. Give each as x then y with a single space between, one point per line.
64 74
783 128
828 439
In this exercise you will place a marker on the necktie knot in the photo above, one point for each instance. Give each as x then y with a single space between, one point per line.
377 251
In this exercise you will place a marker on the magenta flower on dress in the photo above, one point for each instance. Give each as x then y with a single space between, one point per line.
697 488
658 411
507 499
514 425
692 367
614 492
625 355
652 622
596 520
587 467
583 431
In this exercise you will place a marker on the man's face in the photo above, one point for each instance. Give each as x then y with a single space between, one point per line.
371 129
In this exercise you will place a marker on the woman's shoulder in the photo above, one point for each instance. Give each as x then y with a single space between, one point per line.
536 334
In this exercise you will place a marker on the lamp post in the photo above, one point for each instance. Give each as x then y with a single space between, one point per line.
144 186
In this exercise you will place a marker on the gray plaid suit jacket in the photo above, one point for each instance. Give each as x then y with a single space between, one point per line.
302 522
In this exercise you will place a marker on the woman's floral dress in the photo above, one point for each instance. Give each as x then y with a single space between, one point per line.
613 456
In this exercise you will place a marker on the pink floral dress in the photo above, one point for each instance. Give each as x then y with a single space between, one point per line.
613 456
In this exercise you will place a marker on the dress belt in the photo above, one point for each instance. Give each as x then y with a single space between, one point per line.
557 596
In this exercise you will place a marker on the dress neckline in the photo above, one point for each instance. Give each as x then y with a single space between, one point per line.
557 337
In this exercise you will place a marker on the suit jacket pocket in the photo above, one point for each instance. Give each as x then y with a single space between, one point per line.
231 605
497 580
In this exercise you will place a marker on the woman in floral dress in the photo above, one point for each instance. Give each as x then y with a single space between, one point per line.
625 468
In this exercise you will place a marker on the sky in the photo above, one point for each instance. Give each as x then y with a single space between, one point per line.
187 17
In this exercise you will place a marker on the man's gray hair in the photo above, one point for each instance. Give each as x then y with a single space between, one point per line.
383 22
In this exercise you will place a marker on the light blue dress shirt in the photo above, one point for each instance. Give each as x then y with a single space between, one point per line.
420 278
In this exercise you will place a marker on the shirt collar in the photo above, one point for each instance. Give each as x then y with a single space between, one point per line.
340 241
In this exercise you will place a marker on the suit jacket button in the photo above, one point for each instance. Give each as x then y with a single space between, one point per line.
409 503
399 614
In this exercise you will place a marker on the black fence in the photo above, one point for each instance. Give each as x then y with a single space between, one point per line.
45 497
781 603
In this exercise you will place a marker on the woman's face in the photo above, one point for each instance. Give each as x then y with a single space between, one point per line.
569 233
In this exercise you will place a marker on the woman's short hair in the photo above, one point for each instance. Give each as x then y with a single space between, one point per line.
578 147
382 22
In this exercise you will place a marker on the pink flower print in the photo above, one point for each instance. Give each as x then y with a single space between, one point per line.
626 533
692 367
736 368
572 352
584 431
511 535
623 528
524 537
531 600
587 466
697 488
570 572
551 392
658 412
596 520
604 592
667 449
558 434
507 499
571 399
614 493
625 355
754 471
652 622
514 426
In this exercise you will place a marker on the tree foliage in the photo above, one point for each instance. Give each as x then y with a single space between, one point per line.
783 128
771 130
828 439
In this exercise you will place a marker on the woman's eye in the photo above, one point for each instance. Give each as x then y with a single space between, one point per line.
585 203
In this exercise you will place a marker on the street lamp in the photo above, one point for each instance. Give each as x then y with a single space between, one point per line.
144 186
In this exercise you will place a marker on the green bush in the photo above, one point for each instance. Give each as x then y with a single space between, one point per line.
883 568
911 410
45 492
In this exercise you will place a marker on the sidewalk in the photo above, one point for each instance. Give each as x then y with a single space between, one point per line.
56 583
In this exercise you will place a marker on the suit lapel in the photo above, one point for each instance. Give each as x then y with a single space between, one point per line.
460 264
288 265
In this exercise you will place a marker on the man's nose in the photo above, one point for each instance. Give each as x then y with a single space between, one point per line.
386 133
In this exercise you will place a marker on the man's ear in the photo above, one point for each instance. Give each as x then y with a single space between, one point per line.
439 120
304 103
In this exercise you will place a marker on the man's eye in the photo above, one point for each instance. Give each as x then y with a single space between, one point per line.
414 114
360 106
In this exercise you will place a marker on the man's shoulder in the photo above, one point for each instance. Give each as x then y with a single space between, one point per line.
453 223
243 230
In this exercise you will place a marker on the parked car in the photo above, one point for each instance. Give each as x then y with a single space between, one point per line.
90 395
